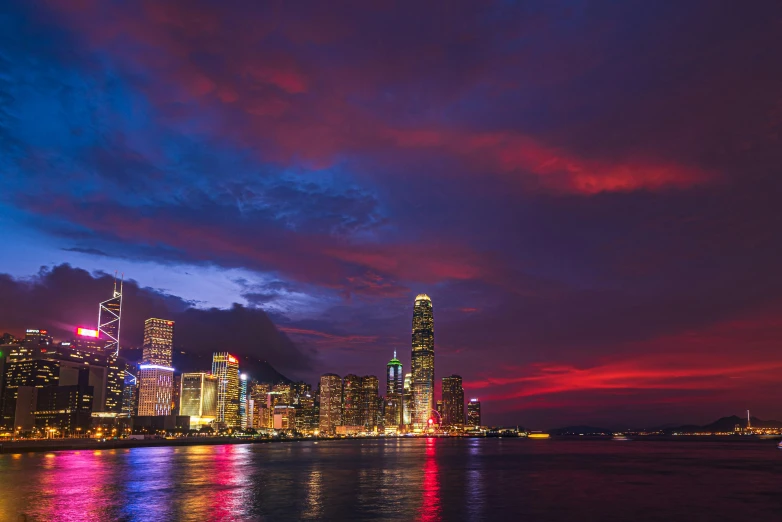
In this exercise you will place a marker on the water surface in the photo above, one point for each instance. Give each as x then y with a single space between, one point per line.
401 479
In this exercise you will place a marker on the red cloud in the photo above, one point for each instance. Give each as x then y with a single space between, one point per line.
288 106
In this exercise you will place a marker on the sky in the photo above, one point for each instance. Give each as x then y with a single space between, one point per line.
588 191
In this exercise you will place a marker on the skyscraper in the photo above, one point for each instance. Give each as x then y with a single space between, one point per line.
155 375
243 401
352 391
109 316
369 402
395 378
422 361
407 400
198 398
394 392
226 368
330 403
474 413
453 401
158 341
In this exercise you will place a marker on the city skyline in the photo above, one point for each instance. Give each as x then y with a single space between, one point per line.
586 190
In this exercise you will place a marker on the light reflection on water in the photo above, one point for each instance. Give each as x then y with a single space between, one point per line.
399 479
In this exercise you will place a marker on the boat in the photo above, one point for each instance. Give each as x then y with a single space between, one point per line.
779 445
620 436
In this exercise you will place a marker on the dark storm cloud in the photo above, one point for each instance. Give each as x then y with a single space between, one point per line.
61 298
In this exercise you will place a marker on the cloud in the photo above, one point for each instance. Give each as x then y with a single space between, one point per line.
61 298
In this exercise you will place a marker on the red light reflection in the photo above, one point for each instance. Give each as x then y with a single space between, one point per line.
430 508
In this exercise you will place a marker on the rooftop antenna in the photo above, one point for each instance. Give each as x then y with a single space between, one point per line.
749 423
394 354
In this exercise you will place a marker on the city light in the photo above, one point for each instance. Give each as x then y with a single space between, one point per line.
243 376
154 367
231 358
87 332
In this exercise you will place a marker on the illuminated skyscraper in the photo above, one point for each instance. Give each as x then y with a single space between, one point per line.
474 413
422 361
369 402
35 338
243 401
155 375
394 377
158 341
226 368
198 398
453 401
109 316
352 390
155 389
407 400
330 403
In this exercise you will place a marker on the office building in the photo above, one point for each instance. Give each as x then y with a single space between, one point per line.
198 398
158 342
453 402
407 400
243 401
35 338
352 392
155 390
422 361
330 403
155 374
474 413
109 319
226 368
370 405
395 377
284 417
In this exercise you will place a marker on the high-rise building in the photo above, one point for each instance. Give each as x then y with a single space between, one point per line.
352 399
155 375
422 361
24 371
243 401
226 368
369 402
198 398
407 400
109 318
158 341
330 403
395 378
36 338
155 390
453 401
474 413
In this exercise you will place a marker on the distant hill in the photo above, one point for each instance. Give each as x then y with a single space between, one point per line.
726 424
257 369
581 430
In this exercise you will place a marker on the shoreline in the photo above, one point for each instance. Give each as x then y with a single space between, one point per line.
39 446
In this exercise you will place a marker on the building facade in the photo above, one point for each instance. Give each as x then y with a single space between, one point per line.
330 415
158 341
109 320
474 413
155 373
453 401
198 398
226 368
155 390
422 361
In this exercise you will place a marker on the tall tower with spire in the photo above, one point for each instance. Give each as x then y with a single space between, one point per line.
109 314
395 378
422 361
